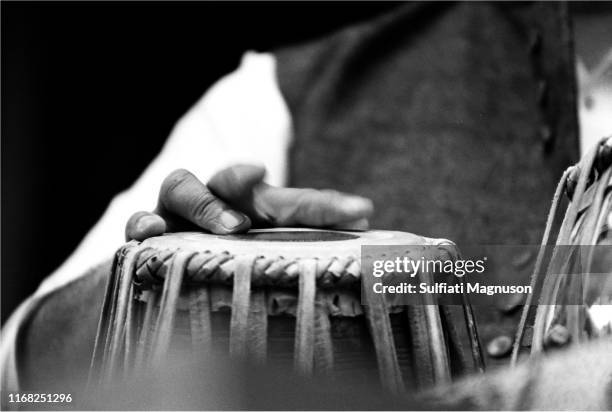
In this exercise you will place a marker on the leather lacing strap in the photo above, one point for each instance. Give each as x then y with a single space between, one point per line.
147 330
421 350
111 334
472 329
539 263
219 268
164 327
305 318
258 327
382 336
131 327
118 318
97 359
241 300
323 346
439 354
199 320
453 340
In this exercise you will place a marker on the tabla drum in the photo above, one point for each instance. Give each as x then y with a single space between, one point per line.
574 279
274 296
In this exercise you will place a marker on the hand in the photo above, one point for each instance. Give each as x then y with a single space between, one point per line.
236 199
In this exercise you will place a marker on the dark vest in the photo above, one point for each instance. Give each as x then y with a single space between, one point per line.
457 120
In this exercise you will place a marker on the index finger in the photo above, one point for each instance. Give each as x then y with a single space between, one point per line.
182 194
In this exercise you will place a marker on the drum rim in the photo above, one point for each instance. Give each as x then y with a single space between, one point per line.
205 242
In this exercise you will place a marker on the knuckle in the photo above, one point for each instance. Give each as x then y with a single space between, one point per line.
203 206
303 200
173 181
308 207
329 197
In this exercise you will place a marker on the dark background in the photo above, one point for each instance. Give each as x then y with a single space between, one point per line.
90 92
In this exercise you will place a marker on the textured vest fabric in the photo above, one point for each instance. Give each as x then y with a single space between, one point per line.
457 120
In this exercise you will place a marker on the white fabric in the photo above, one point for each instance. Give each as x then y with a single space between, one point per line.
241 119
595 101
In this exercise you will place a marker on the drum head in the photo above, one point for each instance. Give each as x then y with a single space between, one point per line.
287 242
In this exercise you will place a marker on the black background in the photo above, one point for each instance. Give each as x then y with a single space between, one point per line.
90 92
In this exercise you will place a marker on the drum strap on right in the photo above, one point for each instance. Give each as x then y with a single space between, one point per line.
382 336
241 301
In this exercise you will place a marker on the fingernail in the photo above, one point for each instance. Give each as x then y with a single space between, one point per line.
145 223
230 220
357 205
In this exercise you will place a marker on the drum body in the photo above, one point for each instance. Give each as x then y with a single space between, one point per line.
288 297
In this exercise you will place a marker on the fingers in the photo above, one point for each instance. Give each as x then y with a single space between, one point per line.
310 207
242 187
143 225
183 195
185 203
358 225
235 183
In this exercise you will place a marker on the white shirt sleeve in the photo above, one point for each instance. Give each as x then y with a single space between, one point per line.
595 102
242 118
